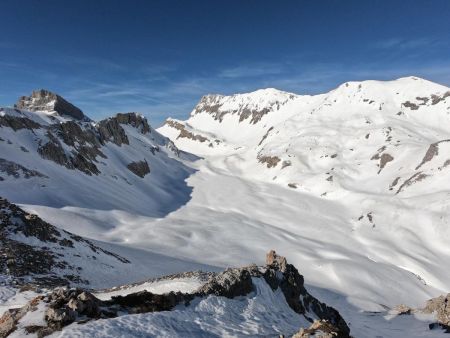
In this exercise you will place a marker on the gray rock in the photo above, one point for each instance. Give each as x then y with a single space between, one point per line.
18 123
111 131
441 307
60 316
275 261
38 265
319 329
44 100
139 168
16 170
230 283
270 161
134 119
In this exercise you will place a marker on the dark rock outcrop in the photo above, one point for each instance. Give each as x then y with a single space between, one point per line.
39 264
184 133
17 123
417 177
44 100
110 130
139 168
270 161
64 306
230 283
16 170
81 158
134 119
432 151
298 298
410 105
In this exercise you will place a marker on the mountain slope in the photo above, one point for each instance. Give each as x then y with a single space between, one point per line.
367 169
120 163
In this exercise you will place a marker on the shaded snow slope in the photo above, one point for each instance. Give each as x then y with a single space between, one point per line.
37 253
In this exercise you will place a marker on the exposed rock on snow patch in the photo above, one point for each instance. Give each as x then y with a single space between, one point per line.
16 170
139 168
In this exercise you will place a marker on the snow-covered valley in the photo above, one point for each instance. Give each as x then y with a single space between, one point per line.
351 186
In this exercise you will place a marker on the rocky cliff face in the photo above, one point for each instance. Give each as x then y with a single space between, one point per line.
251 107
45 101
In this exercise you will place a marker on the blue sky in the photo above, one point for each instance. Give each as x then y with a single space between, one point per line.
160 57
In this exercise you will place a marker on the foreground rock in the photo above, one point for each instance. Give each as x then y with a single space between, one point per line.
64 306
440 306
319 329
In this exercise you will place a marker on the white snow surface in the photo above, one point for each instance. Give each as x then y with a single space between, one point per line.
185 285
364 240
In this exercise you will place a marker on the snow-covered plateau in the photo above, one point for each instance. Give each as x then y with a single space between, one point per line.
351 186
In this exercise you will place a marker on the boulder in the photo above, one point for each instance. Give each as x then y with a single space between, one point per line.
319 329
441 307
139 168
230 283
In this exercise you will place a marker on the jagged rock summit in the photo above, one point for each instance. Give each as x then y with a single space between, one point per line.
43 100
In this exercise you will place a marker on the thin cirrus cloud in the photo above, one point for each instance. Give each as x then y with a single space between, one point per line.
176 97
252 70
406 44
102 86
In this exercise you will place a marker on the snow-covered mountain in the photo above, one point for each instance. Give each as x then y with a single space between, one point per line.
352 180
51 154
351 185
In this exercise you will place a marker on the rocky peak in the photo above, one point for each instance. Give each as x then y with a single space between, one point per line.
252 106
45 101
134 119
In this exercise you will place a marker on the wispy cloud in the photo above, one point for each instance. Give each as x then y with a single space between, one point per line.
397 43
102 87
252 70
177 97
